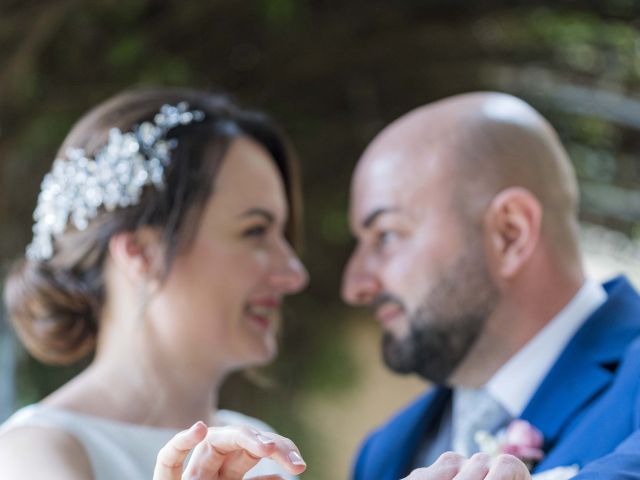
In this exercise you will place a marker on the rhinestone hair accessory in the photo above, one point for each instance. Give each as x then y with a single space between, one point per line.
77 187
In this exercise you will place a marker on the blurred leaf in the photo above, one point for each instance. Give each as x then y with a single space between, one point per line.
44 132
279 12
334 227
127 51
168 71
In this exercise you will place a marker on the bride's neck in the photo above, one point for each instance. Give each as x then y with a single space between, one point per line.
130 381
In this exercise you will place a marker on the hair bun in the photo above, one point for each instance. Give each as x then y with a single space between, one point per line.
54 314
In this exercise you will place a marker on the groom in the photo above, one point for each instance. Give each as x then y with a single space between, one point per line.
465 212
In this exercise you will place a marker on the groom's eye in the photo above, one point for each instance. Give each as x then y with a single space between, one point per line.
384 237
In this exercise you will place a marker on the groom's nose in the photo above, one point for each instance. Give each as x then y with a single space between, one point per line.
360 285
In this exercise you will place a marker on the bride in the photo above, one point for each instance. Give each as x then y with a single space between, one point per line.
162 246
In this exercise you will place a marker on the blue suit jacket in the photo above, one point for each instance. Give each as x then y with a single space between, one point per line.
587 407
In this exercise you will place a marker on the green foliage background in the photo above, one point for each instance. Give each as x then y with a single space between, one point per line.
333 73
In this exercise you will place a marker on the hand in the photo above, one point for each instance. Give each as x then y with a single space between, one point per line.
224 453
480 466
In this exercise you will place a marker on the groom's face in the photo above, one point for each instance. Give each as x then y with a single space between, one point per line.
418 263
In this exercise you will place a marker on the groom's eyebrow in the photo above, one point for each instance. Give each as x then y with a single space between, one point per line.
260 212
373 216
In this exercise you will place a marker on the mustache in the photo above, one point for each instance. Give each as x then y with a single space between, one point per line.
384 299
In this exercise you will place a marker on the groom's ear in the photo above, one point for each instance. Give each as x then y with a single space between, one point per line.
513 222
138 254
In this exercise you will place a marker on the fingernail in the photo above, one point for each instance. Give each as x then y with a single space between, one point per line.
197 424
265 440
295 458
189 431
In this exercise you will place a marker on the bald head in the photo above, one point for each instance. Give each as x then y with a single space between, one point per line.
483 143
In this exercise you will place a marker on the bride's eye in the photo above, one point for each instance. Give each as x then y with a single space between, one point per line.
256 231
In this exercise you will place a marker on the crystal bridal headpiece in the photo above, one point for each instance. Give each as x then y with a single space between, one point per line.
77 187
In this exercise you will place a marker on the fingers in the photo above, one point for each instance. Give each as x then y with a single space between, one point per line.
236 464
173 454
418 474
207 462
229 452
476 468
267 477
286 453
446 467
508 467
480 466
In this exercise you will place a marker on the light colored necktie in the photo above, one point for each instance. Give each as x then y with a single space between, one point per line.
475 410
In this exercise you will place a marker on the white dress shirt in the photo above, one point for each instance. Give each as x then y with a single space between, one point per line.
514 384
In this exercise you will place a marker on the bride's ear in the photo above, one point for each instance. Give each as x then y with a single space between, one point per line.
138 254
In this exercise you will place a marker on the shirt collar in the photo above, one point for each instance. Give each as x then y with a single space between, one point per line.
516 381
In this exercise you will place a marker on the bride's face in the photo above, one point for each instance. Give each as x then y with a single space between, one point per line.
220 304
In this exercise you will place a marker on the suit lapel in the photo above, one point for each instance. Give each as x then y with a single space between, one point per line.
587 365
573 382
392 454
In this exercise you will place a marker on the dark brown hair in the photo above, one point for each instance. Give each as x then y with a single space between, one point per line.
55 305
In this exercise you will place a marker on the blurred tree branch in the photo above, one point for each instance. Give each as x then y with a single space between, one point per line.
31 30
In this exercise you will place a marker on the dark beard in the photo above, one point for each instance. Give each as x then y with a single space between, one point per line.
432 351
446 326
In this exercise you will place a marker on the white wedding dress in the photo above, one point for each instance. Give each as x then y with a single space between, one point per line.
118 450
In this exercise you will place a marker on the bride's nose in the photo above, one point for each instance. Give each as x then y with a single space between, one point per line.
288 274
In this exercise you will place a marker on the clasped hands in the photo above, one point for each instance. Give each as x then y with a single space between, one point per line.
228 453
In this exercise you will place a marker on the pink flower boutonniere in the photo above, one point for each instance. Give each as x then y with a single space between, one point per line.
520 439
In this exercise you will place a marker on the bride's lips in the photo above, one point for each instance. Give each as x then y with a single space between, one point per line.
263 311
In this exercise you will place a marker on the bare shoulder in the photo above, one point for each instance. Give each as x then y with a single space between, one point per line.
43 453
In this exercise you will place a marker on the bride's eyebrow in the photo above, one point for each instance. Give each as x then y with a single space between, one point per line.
260 212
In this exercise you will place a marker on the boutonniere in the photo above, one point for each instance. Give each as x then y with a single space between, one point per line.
520 439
